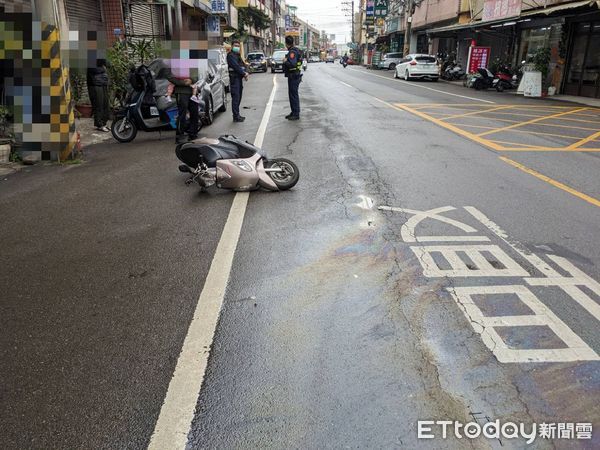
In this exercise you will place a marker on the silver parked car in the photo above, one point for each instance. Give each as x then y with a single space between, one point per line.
218 56
418 66
211 91
390 61
215 96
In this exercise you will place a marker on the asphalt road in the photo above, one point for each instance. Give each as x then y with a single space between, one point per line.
341 325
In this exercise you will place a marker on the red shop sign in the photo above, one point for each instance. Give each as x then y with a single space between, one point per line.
478 58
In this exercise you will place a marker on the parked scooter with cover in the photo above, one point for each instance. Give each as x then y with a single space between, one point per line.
231 163
143 111
453 71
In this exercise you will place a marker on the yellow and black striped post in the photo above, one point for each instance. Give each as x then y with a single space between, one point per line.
55 80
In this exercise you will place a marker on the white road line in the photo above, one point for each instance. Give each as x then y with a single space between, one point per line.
346 84
425 87
533 259
177 412
554 278
576 349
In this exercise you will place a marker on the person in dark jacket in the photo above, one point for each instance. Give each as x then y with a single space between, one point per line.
237 72
183 91
97 82
292 66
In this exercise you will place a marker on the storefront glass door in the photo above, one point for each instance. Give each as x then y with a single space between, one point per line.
583 76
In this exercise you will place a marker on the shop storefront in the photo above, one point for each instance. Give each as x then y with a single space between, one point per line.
582 75
539 34
422 43
571 31
457 40
395 33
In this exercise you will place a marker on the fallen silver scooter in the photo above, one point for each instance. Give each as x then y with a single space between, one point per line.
231 163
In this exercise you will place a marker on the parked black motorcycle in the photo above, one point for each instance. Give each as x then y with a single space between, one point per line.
505 79
484 79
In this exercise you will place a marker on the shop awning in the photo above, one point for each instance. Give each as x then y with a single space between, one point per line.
524 14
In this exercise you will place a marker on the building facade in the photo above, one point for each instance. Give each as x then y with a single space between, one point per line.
513 30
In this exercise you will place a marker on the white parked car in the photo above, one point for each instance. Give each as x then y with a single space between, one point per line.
418 66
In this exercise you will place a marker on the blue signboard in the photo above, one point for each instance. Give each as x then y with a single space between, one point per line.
288 21
218 6
213 25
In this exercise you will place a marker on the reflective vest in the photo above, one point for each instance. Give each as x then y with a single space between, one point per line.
297 66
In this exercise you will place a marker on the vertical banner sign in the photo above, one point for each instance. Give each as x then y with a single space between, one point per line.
288 21
381 8
213 25
218 6
478 58
370 11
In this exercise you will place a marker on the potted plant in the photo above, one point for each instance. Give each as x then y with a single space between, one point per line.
120 63
80 99
541 61
6 136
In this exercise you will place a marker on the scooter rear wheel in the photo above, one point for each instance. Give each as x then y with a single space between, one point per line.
127 134
289 176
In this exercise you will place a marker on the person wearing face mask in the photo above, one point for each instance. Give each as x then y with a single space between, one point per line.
237 73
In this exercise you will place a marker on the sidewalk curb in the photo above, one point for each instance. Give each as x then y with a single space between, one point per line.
582 101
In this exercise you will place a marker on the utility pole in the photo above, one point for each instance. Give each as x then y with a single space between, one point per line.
274 24
349 11
410 9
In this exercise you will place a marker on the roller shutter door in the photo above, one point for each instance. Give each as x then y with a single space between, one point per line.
145 20
87 12
16 6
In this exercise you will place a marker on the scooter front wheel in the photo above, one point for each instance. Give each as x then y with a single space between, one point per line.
287 177
123 130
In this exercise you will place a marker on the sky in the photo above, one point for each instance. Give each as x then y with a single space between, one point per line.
326 15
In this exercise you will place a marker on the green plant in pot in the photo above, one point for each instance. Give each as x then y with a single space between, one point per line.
121 58
79 94
119 64
541 61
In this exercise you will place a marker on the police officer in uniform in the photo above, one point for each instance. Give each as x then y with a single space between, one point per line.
237 72
292 67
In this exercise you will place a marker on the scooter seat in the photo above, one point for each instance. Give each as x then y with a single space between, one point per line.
193 153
